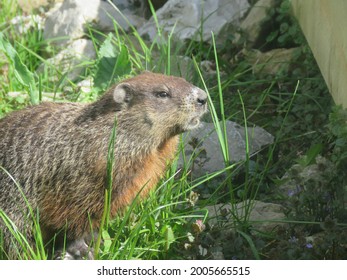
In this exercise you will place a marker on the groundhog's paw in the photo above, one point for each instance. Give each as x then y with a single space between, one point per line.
76 250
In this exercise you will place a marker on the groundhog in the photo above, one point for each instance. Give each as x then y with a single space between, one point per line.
55 154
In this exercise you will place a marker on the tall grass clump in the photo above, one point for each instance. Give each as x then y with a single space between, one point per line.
20 243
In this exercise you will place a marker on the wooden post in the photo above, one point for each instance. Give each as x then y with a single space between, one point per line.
324 24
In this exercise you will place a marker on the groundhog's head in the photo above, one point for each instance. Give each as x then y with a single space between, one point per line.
164 104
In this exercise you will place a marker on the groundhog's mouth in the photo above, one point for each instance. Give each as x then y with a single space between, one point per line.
193 123
195 118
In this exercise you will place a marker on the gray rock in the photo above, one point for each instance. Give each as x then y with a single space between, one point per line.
253 23
262 216
69 58
203 145
185 18
69 21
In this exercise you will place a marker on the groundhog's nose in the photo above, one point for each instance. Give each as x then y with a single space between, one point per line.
202 97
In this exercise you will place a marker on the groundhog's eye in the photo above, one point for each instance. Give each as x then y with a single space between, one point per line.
162 94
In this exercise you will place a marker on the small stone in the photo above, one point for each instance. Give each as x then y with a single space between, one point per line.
272 62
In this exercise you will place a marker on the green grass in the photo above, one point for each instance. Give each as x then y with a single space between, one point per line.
293 105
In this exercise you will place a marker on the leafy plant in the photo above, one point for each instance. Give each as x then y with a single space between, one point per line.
285 31
113 62
21 72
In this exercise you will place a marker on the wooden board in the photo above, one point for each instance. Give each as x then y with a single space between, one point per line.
324 23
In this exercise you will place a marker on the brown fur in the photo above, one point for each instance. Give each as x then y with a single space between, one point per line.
57 152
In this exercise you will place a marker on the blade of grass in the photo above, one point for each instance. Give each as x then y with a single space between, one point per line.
108 189
250 243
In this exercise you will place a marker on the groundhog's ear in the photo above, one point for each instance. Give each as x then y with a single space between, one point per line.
122 93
